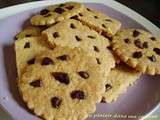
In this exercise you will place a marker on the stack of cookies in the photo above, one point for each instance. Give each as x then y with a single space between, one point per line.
71 57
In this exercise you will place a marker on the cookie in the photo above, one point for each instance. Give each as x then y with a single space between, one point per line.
56 13
118 80
98 21
26 49
29 31
64 84
73 33
139 49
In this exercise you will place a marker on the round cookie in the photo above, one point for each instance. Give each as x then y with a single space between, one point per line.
139 49
64 84
56 13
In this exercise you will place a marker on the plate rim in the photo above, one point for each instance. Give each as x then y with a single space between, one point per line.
13 10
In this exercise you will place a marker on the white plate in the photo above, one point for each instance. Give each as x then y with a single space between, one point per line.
17 111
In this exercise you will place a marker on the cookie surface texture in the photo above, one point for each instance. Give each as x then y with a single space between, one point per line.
63 85
139 49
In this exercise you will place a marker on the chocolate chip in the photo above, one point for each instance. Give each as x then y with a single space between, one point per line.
28 35
27 45
109 47
153 38
74 17
69 7
72 26
152 58
108 87
80 14
96 48
137 54
78 38
90 36
98 61
108 20
61 77
47 61
96 17
103 100
56 102
83 74
157 50
103 25
137 43
127 41
77 94
55 34
59 10
88 9
136 33
62 57
31 61
44 12
145 45
36 83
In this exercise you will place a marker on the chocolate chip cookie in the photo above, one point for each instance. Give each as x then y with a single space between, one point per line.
56 13
139 49
63 84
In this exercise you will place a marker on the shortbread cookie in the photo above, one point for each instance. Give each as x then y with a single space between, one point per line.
57 13
64 84
139 49
98 21
118 80
26 49
73 34
29 31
